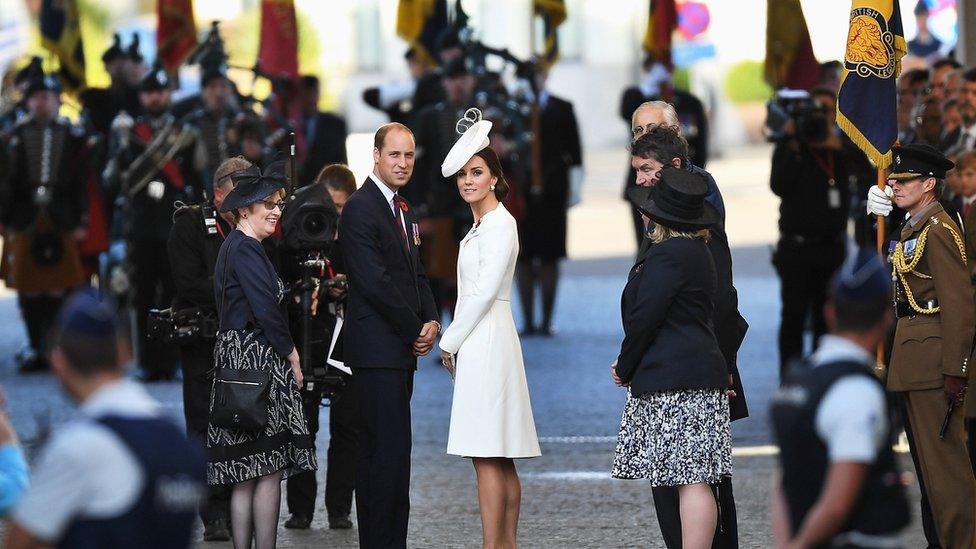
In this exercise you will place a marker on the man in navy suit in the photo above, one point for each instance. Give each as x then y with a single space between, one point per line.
390 321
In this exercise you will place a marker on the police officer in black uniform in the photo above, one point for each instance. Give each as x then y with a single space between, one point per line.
840 485
155 161
809 173
198 231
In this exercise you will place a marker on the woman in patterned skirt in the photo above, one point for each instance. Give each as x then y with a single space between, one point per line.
675 426
254 335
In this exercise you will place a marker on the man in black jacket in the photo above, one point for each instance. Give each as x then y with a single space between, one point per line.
658 147
391 320
810 175
198 231
325 134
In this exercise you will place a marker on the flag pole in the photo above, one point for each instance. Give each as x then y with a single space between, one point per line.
881 239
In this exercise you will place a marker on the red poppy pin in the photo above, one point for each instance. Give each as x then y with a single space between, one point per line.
402 204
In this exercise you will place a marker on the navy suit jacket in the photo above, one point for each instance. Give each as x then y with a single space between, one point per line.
667 309
389 296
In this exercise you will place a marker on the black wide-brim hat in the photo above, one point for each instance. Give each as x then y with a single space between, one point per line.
252 185
677 201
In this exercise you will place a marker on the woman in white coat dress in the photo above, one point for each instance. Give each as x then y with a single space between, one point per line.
491 417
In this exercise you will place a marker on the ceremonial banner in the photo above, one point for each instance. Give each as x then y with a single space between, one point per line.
662 20
866 104
553 13
278 53
420 23
61 35
790 62
176 35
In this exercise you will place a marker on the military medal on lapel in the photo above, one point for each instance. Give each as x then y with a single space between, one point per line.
910 247
416 234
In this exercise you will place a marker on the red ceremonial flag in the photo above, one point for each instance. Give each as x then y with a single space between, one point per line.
278 53
662 20
177 32
790 62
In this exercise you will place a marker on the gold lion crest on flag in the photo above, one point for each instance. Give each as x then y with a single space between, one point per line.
870 46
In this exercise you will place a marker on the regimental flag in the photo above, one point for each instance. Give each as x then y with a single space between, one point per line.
61 35
176 34
662 20
278 53
420 23
790 62
553 13
866 103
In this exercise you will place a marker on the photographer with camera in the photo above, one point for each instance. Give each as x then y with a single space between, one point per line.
810 172
311 257
198 231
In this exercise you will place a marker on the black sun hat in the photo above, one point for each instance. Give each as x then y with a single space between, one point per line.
252 185
676 201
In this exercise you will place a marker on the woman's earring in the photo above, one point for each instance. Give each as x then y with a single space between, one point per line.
492 188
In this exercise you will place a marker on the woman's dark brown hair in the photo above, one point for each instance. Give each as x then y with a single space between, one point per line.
490 157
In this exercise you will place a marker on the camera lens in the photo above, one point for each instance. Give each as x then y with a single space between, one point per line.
313 225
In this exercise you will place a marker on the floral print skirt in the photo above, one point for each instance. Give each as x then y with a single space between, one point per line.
673 438
285 443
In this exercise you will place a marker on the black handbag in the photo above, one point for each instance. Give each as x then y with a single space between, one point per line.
240 399
240 395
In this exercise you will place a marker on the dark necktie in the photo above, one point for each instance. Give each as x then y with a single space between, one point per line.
400 205
965 210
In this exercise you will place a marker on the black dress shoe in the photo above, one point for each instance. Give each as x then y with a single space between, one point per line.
298 521
216 530
340 523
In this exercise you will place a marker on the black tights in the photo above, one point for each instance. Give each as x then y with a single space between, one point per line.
545 274
254 508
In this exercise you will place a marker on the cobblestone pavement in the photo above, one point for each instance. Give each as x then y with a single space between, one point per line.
568 498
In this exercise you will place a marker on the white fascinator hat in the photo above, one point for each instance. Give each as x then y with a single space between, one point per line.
474 137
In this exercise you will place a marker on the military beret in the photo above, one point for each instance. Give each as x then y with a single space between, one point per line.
912 161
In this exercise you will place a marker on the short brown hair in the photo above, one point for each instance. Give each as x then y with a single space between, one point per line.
228 167
662 143
966 160
380 137
337 177
490 157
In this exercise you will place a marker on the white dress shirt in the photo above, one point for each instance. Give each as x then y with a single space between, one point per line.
390 194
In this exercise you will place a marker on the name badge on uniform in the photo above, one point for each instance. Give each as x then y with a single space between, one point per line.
156 190
416 234
833 198
910 247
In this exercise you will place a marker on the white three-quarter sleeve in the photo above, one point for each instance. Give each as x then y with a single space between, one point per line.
495 246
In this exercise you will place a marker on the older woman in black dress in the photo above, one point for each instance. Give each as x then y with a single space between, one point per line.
675 427
254 335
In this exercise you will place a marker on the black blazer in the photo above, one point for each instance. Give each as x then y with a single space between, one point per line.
667 309
248 292
327 145
389 297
